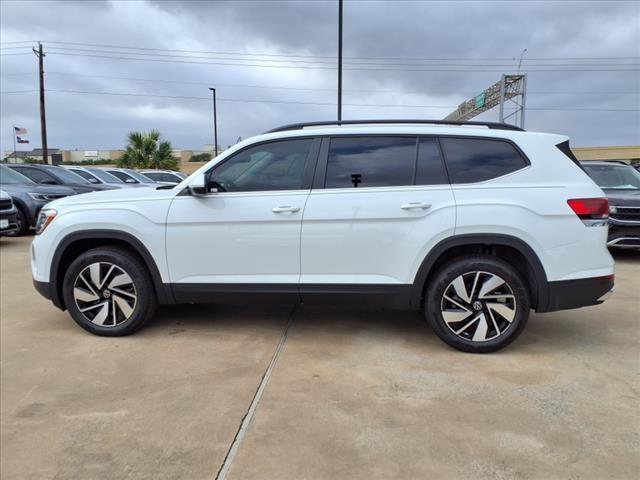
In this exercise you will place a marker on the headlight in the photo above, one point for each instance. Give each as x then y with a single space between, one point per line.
39 196
44 219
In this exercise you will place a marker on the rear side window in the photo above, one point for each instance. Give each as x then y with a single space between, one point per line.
370 162
471 160
430 168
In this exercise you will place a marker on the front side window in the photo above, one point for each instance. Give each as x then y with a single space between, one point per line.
38 176
269 166
123 176
370 162
87 176
471 160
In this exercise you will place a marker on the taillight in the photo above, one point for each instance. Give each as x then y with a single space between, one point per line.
590 208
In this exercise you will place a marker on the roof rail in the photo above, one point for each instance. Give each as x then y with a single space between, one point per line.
491 125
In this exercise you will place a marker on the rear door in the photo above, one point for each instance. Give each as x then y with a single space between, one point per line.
378 204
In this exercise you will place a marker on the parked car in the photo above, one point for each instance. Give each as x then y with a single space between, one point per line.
54 175
621 184
462 220
97 176
28 197
164 176
8 214
130 176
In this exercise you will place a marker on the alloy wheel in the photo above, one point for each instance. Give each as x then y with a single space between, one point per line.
478 306
105 294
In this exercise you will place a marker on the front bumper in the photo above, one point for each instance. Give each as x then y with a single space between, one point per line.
11 217
582 292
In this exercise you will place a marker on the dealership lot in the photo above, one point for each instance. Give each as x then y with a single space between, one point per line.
353 394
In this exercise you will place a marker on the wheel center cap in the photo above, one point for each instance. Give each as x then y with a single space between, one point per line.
477 306
106 294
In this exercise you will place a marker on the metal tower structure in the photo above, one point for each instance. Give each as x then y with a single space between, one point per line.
510 88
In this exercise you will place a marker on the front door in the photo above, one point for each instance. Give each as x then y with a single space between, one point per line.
245 236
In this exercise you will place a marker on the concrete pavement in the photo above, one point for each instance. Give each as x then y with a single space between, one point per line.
354 394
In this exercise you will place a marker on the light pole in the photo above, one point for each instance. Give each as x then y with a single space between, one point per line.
339 60
215 123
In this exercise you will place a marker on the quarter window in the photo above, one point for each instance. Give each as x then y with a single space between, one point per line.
370 162
472 160
270 166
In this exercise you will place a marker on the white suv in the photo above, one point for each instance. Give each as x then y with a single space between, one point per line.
476 223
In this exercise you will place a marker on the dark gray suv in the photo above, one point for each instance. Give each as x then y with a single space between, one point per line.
28 197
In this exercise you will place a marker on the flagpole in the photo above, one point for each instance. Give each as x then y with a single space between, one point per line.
15 151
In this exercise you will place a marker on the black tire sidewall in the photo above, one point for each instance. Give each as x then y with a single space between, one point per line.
442 279
145 302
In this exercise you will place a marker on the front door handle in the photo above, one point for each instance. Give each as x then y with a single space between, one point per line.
286 209
415 206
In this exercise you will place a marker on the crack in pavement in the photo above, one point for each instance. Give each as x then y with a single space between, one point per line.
223 471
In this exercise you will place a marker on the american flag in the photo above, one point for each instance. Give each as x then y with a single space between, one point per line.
20 130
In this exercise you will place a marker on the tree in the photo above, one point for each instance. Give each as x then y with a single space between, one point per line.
148 150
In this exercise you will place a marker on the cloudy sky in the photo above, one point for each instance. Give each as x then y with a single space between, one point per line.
148 64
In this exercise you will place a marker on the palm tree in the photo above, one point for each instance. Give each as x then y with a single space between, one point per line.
148 150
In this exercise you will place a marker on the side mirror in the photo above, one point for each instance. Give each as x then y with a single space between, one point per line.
198 186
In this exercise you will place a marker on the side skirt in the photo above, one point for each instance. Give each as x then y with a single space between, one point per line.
374 295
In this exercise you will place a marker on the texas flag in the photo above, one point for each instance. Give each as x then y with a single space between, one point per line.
21 140
20 131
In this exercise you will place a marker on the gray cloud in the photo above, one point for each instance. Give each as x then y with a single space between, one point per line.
468 30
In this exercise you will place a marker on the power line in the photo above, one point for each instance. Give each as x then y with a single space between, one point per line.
331 56
309 67
465 64
271 87
242 100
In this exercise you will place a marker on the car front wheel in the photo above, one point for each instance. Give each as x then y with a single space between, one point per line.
477 303
108 292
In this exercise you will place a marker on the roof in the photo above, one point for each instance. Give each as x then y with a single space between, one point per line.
36 152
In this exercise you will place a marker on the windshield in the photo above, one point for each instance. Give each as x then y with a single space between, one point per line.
9 176
104 176
66 176
614 177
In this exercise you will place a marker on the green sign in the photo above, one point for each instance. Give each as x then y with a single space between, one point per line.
480 100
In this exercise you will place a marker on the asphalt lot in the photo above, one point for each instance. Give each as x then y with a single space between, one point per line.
353 394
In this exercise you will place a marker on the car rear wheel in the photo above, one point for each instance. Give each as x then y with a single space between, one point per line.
108 292
477 304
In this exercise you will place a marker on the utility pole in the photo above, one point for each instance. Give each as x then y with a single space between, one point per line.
339 60
43 119
215 123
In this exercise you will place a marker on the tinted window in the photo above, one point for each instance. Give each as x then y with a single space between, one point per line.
370 162
123 176
87 176
37 175
430 169
270 166
472 160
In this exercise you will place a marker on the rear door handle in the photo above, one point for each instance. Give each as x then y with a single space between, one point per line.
286 209
415 206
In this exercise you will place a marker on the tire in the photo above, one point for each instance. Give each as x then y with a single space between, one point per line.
477 303
23 224
117 297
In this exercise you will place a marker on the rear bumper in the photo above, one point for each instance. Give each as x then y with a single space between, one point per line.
583 292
